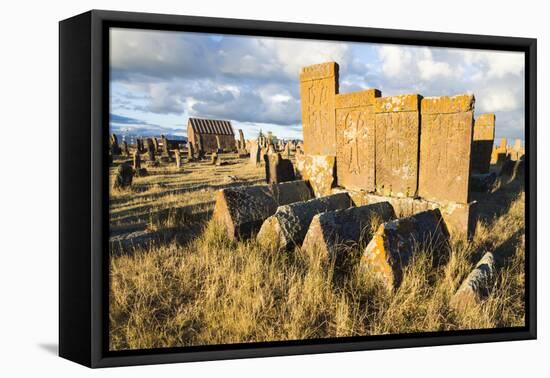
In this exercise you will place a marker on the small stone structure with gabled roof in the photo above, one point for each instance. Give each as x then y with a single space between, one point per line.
205 133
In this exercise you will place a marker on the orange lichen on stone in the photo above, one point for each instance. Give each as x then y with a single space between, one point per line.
447 104
401 103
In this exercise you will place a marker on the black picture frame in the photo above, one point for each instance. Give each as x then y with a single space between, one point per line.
83 181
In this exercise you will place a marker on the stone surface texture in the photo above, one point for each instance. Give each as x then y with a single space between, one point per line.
288 226
483 140
318 170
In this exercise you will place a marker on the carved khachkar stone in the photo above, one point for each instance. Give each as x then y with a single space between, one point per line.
278 169
287 150
477 284
178 158
241 211
445 148
125 149
150 149
156 145
334 232
165 148
397 121
215 158
190 152
396 242
318 88
124 175
139 144
288 226
242 144
483 140
255 153
136 160
318 170
517 150
218 143
355 143
115 148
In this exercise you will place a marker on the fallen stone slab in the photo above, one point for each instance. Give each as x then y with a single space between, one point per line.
396 243
460 219
477 284
289 225
242 210
135 239
334 231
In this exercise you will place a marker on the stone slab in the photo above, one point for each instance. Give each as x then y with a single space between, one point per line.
288 226
477 285
396 242
333 233
445 149
318 88
240 211
397 121
483 140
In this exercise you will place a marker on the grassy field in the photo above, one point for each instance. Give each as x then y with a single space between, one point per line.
193 286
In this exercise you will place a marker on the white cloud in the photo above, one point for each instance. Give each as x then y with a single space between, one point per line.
496 63
395 59
498 101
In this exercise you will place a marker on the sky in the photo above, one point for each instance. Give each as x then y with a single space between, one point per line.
159 79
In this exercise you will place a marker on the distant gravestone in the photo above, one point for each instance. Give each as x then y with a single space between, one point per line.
445 148
115 148
125 148
396 242
124 175
278 169
397 121
178 158
218 144
165 148
150 149
156 145
136 160
190 152
255 154
214 158
242 144
483 140
355 142
288 226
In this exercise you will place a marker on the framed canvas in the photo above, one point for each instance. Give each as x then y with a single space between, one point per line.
235 188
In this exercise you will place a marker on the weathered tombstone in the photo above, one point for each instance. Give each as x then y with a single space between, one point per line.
516 152
334 232
150 149
165 148
124 175
483 140
397 121
396 242
178 158
355 142
503 144
288 226
136 160
190 152
318 88
278 169
241 211
115 149
477 285
319 170
156 145
214 158
125 149
140 147
242 144
218 144
255 154
445 148
287 150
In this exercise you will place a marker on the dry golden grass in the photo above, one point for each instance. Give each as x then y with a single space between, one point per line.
210 290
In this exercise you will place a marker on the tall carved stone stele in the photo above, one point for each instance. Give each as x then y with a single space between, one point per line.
355 143
482 145
318 89
397 122
150 149
445 148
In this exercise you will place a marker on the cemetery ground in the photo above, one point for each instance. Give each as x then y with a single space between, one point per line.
181 282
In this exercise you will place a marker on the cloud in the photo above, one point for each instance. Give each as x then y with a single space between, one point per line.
168 76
